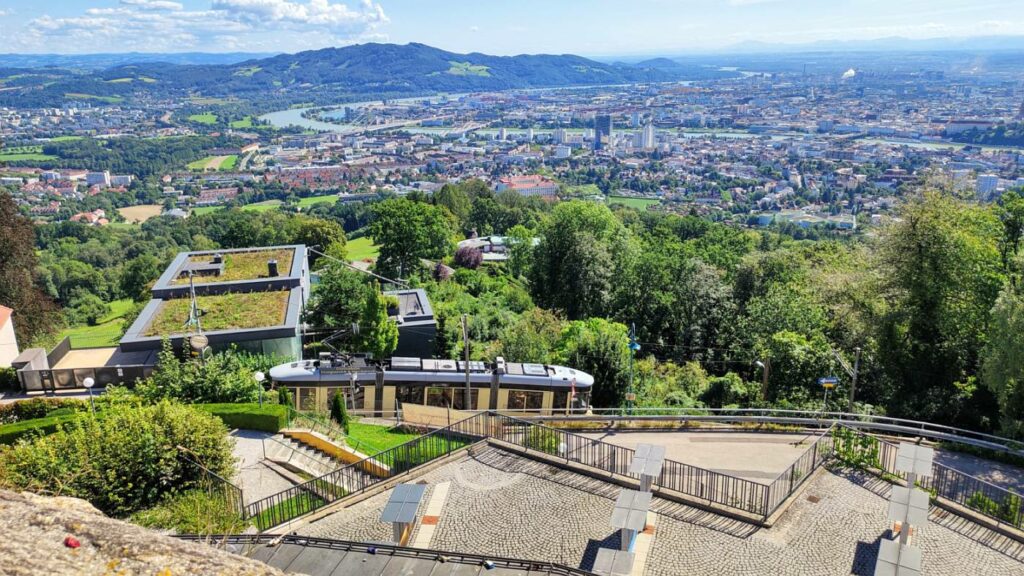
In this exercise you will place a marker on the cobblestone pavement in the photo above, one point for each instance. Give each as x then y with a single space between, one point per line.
502 504
254 477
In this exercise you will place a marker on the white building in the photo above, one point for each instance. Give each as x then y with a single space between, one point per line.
121 180
987 184
8 342
648 137
98 178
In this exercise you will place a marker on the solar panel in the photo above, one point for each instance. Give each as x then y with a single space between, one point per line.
895 559
647 460
613 562
535 370
631 510
906 505
404 501
914 459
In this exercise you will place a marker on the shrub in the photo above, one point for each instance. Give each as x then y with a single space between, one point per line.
339 412
192 512
468 257
268 418
855 448
37 408
223 377
8 379
284 397
542 439
124 459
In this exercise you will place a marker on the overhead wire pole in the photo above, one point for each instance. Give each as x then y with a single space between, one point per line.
852 372
467 404
357 269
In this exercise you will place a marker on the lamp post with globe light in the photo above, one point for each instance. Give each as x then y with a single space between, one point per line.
89 383
259 381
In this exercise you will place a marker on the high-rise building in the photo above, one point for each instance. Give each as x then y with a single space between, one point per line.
987 184
635 120
648 137
602 131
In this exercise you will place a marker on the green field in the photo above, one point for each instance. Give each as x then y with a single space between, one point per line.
307 202
257 207
467 69
362 249
106 333
584 190
243 123
204 118
638 203
66 138
25 157
107 99
230 163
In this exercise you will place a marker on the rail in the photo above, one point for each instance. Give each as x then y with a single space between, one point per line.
216 485
524 566
314 494
303 462
715 487
786 483
994 502
799 417
315 422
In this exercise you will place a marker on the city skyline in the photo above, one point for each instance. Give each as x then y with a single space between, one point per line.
597 28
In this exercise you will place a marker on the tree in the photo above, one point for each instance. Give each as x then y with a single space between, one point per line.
35 315
796 364
583 247
138 275
86 308
519 243
378 333
220 377
1002 368
942 273
455 199
533 338
1011 212
468 257
407 232
339 411
601 349
321 234
337 301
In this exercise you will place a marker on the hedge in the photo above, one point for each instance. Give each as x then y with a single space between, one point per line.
11 432
268 418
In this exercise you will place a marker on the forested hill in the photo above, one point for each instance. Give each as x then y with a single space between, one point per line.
377 69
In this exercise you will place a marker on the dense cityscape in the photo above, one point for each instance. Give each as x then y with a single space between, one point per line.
282 295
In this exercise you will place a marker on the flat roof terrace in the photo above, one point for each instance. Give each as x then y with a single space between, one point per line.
248 265
228 311
103 358
499 503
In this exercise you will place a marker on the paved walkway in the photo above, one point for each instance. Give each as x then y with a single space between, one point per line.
1002 475
256 479
760 457
502 504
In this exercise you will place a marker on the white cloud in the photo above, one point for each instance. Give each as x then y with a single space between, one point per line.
154 4
167 26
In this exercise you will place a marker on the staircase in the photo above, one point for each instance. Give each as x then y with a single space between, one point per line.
295 454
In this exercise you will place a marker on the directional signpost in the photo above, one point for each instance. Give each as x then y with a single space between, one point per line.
828 383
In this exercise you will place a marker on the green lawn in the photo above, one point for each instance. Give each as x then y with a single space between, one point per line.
371 438
204 118
256 207
288 509
638 203
585 190
243 123
230 163
362 249
246 265
307 202
66 138
467 69
106 333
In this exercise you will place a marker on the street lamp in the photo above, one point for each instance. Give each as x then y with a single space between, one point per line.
89 383
765 367
259 381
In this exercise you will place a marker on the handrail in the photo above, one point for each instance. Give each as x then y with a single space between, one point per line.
333 431
531 566
796 474
234 493
292 451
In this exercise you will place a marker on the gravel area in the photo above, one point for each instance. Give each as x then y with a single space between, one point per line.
256 479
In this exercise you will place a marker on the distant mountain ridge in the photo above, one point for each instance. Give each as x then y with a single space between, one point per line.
384 70
109 60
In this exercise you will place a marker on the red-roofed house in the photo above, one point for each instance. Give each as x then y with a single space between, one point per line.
535 185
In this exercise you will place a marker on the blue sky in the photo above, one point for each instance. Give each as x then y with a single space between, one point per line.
587 27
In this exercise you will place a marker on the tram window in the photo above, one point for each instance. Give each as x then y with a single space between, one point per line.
560 400
409 394
453 397
525 400
307 399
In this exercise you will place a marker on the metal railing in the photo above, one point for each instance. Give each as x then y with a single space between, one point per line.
808 418
240 542
999 504
715 487
217 486
310 496
294 457
786 483
315 422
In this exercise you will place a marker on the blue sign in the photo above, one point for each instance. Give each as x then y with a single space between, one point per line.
828 381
